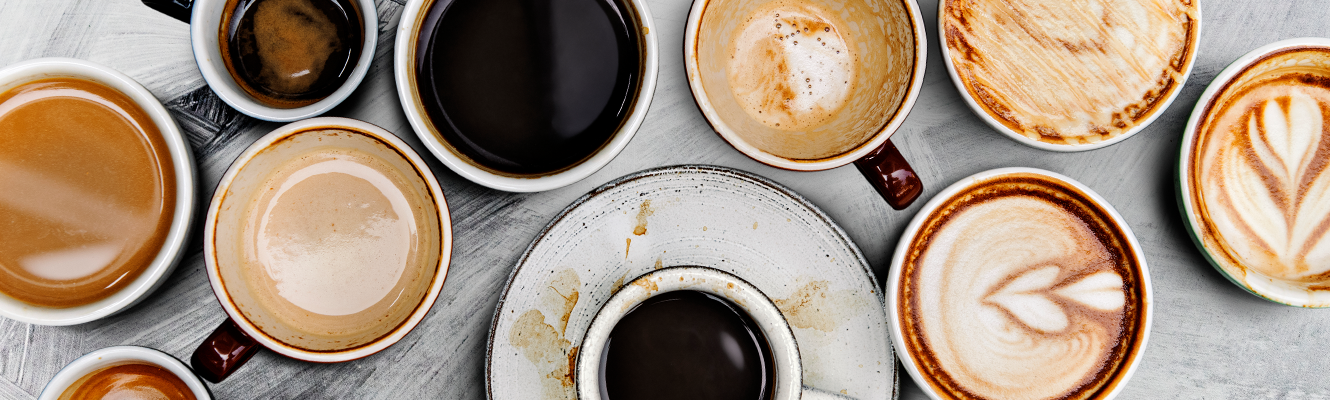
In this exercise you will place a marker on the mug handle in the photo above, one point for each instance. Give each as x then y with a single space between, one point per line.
178 9
819 394
223 352
891 175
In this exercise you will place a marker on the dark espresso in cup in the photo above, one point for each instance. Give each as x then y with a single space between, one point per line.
291 53
686 345
129 381
527 87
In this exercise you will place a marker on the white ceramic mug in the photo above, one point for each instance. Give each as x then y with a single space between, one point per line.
182 161
788 374
119 355
204 28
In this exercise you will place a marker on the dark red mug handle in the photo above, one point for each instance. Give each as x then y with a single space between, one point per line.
891 175
223 352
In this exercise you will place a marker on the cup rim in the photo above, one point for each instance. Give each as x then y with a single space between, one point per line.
182 163
379 344
787 377
911 230
405 78
88 363
978 110
211 65
884 133
1184 186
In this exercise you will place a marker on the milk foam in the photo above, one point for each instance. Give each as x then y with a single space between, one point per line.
1017 298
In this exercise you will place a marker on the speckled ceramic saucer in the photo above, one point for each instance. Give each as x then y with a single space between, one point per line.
691 215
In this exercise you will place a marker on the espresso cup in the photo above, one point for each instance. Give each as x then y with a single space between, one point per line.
834 99
1250 182
1019 283
77 372
788 369
327 240
205 32
73 213
494 157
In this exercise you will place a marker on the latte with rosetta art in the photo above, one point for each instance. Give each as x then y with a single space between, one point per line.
1260 173
1022 287
1071 72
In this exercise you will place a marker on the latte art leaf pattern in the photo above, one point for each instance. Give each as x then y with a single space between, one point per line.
1032 299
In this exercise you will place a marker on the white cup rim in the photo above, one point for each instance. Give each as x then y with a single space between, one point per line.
445 249
788 374
109 356
911 230
1190 214
207 54
182 162
404 75
978 110
726 133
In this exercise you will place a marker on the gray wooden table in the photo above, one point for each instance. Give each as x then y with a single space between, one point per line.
1210 338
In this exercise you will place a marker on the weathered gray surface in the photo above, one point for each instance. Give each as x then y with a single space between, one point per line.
1210 338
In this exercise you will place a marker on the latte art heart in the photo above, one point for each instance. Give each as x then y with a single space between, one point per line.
1033 301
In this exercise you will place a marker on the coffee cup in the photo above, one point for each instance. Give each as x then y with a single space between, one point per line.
148 371
785 377
1251 177
280 61
1069 76
327 240
835 99
1019 283
73 249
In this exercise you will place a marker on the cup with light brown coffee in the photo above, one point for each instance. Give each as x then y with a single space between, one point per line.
1019 283
125 372
810 85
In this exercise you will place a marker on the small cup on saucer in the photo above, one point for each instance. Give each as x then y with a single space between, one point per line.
140 369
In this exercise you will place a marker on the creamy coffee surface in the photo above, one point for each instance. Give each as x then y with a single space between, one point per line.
87 192
1071 71
1020 288
1259 174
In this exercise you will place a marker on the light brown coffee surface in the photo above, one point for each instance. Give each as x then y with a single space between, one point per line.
87 192
1259 169
135 381
1020 287
1070 71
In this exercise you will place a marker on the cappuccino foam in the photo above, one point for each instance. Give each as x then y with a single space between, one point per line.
1021 287
1071 72
1259 170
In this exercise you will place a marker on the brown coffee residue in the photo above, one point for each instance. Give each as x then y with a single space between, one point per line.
642 213
814 306
545 345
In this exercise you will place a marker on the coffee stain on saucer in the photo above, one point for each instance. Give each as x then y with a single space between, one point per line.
627 247
814 306
618 284
546 346
642 213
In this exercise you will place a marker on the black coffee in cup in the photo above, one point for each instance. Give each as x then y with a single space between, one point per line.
291 53
686 345
527 87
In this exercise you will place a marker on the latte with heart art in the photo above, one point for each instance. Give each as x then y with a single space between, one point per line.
1259 172
1022 286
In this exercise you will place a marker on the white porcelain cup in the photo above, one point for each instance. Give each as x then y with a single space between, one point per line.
119 355
404 71
204 28
182 161
784 350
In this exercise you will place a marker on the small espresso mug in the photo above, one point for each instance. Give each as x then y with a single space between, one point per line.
748 74
74 373
327 240
788 374
205 18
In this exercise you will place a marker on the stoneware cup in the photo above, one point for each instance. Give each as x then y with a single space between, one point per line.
237 339
118 355
204 28
404 71
711 24
182 160
784 349
1298 294
893 284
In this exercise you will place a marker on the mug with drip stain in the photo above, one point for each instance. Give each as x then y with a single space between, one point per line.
810 85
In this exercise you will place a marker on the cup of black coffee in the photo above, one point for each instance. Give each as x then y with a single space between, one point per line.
690 332
525 96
